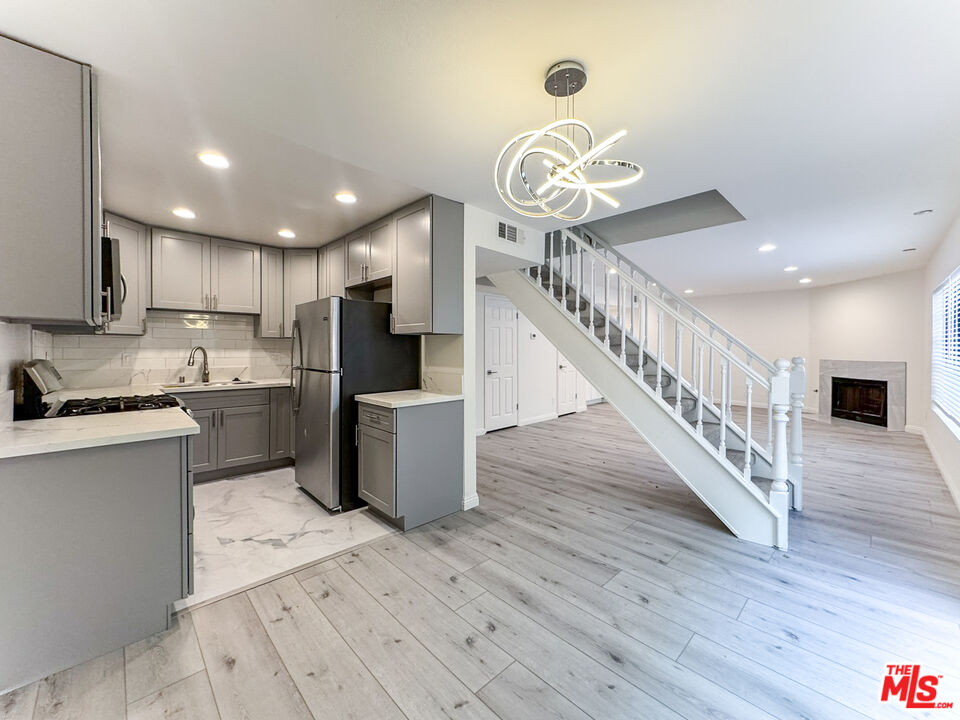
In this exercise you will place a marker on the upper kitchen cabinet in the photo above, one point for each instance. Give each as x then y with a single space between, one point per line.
234 276
134 277
181 271
271 292
50 213
192 272
299 283
370 253
332 269
428 268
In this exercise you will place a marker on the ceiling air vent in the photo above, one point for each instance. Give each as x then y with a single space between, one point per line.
510 233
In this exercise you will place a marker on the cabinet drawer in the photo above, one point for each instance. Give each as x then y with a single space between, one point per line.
376 469
224 398
377 417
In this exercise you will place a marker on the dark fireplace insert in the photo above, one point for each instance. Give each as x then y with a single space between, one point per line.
861 400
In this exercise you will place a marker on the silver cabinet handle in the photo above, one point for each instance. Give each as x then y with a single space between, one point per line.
213 424
206 302
491 372
215 303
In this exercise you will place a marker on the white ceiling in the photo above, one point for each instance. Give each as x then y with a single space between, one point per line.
825 123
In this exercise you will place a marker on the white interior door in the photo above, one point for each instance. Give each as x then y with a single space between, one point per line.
500 363
566 386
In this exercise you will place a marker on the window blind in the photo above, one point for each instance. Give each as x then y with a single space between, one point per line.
945 370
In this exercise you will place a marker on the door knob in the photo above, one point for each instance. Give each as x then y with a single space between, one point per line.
491 372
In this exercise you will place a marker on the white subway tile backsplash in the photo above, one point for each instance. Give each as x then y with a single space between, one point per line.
161 354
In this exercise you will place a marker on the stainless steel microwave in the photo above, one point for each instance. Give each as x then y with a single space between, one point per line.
111 281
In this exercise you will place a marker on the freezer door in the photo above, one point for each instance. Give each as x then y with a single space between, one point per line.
319 334
318 437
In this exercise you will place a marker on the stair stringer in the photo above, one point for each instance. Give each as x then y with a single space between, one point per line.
739 505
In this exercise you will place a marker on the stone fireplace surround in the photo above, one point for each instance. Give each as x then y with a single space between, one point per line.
894 373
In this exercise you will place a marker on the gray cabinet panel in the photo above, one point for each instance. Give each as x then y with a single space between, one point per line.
376 468
356 258
234 276
181 271
281 412
271 293
412 301
243 435
204 445
380 249
299 283
49 187
334 259
134 246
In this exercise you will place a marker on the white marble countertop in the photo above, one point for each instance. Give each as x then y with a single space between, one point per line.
151 389
253 385
405 398
35 437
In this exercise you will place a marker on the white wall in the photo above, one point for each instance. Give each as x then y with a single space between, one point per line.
536 374
878 318
943 437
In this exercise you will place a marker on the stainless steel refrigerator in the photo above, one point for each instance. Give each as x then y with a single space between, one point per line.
341 348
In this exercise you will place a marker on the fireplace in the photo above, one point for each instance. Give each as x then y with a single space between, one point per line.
861 400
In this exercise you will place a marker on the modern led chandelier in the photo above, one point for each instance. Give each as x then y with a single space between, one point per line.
544 172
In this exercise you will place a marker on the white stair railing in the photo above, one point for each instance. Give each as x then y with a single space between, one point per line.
636 308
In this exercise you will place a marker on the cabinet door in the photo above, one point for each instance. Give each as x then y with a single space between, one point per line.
281 437
243 435
133 276
271 292
204 445
412 287
358 256
336 271
299 283
234 276
181 271
376 469
322 283
380 257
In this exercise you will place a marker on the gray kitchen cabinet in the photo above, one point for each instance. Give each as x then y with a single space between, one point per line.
234 276
334 268
50 214
300 283
271 293
356 258
281 428
204 452
369 253
181 271
134 276
427 286
410 460
243 435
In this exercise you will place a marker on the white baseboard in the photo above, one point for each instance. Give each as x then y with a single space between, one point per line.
538 418
470 502
916 430
481 431
952 482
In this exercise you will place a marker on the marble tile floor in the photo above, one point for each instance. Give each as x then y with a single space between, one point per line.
254 527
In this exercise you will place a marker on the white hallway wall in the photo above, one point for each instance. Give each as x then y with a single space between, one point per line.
943 436
877 318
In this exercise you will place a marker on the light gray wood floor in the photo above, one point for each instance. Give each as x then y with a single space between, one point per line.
590 583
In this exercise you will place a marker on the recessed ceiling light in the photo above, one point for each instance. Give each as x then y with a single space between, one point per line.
285 233
346 197
213 159
767 247
185 213
908 250
923 212
791 268
688 291
806 281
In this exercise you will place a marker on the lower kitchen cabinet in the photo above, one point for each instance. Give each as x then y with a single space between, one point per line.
243 435
281 423
204 455
410 460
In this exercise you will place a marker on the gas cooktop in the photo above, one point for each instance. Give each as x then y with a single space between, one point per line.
96 406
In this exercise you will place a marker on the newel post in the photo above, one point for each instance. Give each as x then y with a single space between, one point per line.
798 390
780 490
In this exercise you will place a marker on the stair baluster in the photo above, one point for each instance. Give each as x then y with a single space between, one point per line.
606 309
798 389
593 291
700 391
723 404
552 238
747 431
678 368
563 269
713 397
579 280
660 354
621 291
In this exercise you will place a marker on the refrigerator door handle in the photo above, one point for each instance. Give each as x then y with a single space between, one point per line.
296 342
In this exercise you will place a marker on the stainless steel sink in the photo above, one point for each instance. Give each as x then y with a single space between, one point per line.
222 383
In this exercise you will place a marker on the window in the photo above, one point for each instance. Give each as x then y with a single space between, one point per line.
945 370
